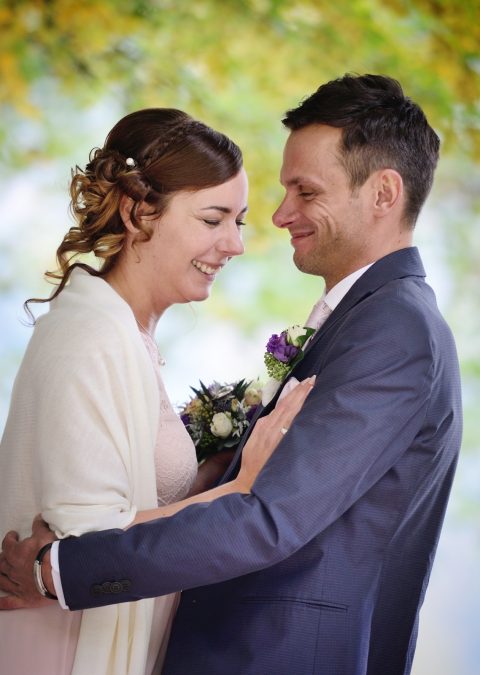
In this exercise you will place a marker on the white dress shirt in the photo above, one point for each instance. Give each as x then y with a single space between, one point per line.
340 290
320 312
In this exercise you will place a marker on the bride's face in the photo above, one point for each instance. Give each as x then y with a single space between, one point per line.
192 241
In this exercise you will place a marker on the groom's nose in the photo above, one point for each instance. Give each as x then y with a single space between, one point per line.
285 213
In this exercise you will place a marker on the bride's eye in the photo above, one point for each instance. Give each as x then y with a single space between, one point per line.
211 222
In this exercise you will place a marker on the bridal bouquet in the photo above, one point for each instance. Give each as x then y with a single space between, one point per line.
217 416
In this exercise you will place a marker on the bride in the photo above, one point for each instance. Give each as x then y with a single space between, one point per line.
92 441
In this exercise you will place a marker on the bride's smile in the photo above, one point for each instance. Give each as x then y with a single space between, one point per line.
207 268
195 237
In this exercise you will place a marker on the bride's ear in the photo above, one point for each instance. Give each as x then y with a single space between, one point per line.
126 206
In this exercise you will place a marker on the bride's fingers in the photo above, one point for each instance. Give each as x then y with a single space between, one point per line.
288 418
280 419
268 429
286 410
299 392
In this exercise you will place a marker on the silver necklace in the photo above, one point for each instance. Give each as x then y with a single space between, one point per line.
161 360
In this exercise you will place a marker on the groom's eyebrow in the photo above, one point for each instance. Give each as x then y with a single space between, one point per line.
301 180
224 209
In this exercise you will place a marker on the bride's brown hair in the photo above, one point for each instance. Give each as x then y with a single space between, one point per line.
149 155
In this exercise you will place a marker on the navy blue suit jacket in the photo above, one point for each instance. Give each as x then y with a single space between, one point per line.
322 569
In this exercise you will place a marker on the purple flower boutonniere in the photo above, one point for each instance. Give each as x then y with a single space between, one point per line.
283 353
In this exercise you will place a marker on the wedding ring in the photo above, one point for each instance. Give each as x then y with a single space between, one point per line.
283 430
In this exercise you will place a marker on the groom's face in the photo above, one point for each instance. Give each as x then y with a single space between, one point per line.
327 220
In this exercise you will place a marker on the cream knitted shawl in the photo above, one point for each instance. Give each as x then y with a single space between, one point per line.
78 447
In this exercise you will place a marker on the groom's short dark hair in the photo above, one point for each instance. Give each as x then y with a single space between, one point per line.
382 128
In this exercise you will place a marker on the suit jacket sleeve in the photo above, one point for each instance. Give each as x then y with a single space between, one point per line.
368 404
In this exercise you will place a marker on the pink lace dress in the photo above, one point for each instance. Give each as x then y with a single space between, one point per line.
176 470
45 639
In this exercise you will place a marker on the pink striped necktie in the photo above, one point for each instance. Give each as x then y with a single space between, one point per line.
319 314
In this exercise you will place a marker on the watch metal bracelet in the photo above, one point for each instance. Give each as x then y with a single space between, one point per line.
37 573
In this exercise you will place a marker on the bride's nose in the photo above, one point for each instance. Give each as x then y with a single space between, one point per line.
231 243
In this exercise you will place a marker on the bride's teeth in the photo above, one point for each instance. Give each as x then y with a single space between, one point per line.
204 268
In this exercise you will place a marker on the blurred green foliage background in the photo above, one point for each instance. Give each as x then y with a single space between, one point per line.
69 69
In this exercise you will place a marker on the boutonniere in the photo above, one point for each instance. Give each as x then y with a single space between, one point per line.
283 352
218 415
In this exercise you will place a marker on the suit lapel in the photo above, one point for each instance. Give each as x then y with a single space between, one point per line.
399 264
403 263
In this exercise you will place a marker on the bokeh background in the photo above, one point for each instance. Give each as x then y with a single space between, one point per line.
69 69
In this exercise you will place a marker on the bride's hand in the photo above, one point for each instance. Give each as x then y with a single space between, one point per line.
269 431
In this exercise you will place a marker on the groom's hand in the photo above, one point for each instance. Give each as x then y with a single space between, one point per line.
16 568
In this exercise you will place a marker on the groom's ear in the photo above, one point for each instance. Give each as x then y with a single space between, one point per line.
388 191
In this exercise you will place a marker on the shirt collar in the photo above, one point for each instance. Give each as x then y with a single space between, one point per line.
340 290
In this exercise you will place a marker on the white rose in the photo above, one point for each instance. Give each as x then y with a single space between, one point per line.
293 335
253 396
221 425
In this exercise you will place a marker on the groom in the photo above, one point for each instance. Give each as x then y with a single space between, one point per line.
323 568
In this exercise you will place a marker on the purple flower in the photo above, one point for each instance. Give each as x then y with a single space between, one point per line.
281 350
251 412
185 419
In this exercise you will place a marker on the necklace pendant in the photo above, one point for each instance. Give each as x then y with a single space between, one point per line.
161 360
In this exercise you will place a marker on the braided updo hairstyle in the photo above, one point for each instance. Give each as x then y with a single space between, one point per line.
149 155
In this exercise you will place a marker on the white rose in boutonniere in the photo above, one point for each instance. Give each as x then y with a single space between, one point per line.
284 351
221 425
297 335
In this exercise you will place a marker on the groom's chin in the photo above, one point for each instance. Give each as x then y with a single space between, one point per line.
304 265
